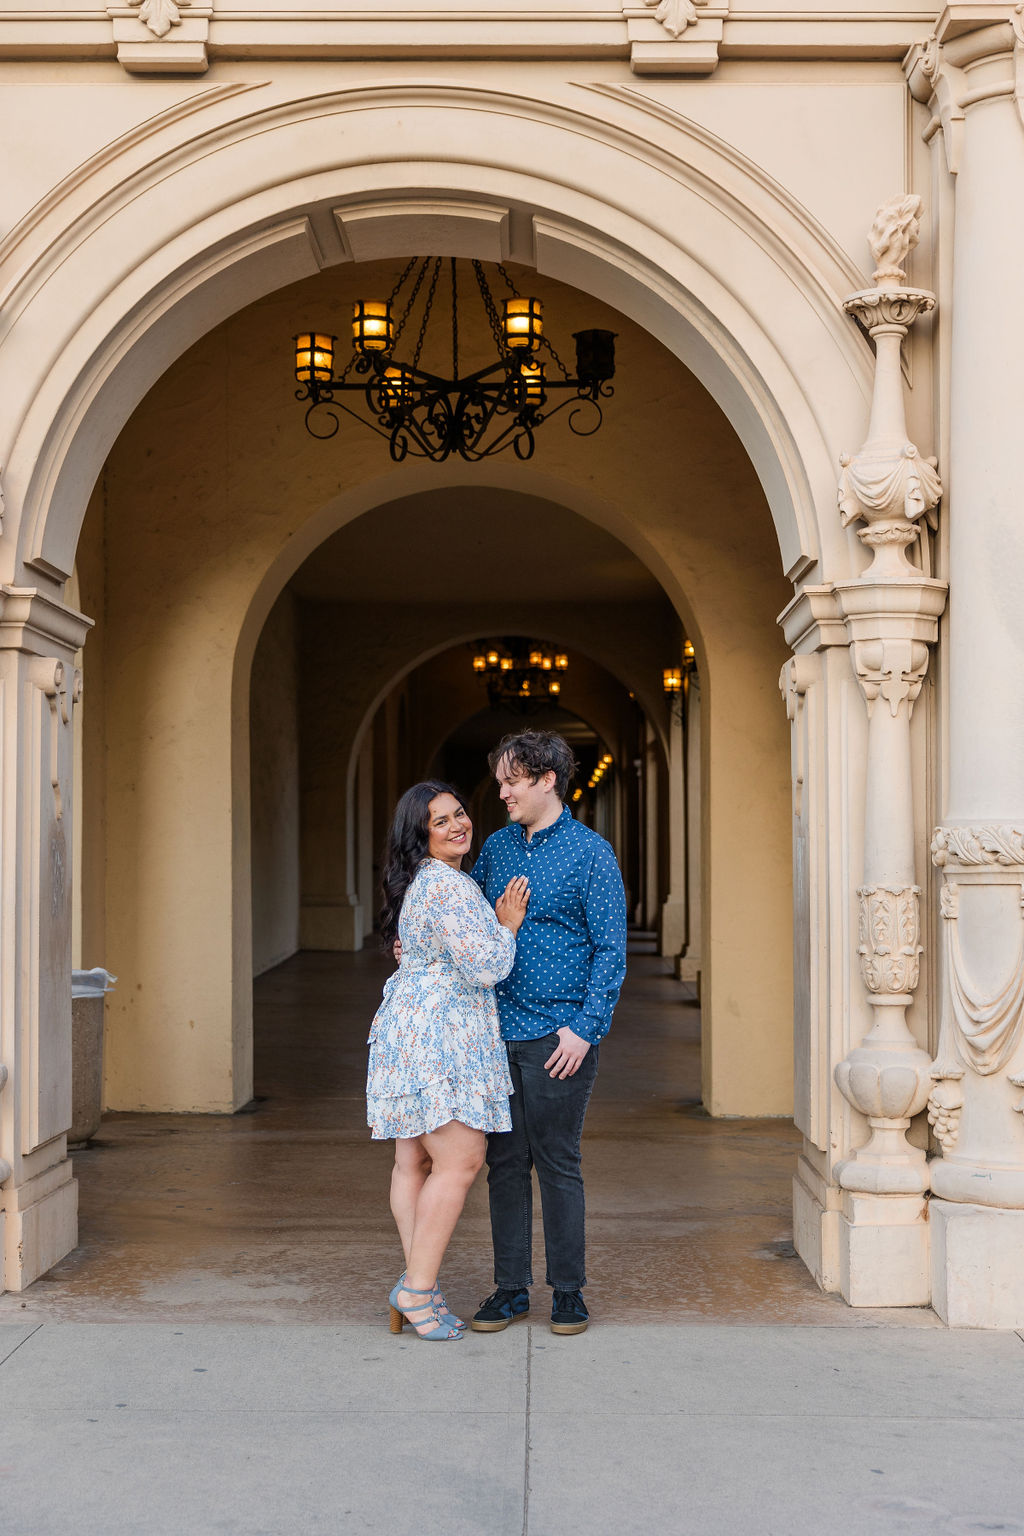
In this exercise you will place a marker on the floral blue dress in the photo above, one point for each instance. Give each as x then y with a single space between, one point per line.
436 1052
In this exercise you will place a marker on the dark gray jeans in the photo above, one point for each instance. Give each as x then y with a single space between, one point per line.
547 1124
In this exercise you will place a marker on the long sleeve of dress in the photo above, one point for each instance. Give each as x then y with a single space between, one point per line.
463 921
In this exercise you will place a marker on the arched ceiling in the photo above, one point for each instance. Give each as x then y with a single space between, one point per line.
495 545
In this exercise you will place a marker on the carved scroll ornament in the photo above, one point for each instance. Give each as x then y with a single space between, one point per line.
675 15
969 846
890 931
159 15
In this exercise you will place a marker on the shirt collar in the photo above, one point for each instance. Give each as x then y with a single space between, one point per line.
545 832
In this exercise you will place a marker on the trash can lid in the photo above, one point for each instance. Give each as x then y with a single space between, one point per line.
91 983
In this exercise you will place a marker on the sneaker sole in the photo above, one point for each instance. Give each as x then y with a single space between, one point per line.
497 1327
569 1327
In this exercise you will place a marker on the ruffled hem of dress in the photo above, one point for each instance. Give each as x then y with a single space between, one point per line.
430 1107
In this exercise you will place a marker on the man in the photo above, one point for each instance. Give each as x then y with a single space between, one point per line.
554 1008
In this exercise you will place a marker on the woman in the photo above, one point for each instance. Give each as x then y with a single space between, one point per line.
438 1077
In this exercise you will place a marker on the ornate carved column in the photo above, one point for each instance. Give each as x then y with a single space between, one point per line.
891 616
39 689
971 75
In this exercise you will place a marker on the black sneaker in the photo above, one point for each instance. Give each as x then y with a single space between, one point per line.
568 1313
499 1310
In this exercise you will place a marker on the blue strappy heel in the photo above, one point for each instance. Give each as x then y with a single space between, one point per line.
441 1307
442 1333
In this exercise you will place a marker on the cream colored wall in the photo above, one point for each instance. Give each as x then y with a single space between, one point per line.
92 792
274 727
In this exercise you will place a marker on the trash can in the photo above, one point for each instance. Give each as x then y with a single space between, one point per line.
88 989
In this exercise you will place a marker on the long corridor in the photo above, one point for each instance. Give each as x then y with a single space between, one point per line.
279 1213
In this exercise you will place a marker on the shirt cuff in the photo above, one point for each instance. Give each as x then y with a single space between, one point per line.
590 1028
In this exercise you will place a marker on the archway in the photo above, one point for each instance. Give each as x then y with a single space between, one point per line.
140 285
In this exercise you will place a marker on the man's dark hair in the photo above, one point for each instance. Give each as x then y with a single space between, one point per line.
533 753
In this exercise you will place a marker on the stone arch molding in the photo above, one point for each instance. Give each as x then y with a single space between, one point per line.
204 211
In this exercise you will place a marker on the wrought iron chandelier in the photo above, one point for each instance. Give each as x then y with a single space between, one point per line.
476 414
520 672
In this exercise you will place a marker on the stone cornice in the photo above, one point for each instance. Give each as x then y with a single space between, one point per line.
813 620
975 54
31 621
612 31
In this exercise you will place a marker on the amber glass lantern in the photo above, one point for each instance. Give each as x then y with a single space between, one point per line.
394 388
532 375
562 661
372 327
554 687
672 680
522 324
314 357
479 663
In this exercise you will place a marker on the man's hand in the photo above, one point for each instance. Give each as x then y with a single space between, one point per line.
567 1057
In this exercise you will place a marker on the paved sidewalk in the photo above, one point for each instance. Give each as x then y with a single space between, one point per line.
150 1429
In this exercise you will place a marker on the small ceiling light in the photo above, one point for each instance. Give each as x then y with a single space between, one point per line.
479 663
492 658
314 357
554 687
522 323
372 327
672 680
607 759
577 795
536 658
507 664
561 661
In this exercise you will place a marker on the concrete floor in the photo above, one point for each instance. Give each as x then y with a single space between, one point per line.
279 1214
718 1393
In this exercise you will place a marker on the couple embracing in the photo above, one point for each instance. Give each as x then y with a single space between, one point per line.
486 1043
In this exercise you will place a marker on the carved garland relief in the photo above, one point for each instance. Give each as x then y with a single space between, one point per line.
976 1033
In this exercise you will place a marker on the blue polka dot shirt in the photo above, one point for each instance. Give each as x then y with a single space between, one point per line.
571 950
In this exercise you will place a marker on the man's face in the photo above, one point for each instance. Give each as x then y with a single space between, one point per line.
524 801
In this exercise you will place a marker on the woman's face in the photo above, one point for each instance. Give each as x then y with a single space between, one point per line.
450 830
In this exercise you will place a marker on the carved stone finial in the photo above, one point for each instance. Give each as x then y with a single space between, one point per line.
159 15
893 235
674 15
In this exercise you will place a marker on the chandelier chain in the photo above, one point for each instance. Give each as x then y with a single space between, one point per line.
555 357
393 295
426 312
455 323
509 284
489 307
407 311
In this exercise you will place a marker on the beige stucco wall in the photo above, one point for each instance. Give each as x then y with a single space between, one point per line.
274 776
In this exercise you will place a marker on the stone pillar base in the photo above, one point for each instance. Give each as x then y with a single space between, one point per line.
884 1250
672 927
816 1225
331 925
977 1265
41 1225
688 969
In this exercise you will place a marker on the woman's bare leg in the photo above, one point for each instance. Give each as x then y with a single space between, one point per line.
456 1152
412 1165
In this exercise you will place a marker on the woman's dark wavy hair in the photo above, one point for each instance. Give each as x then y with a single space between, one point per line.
405 849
